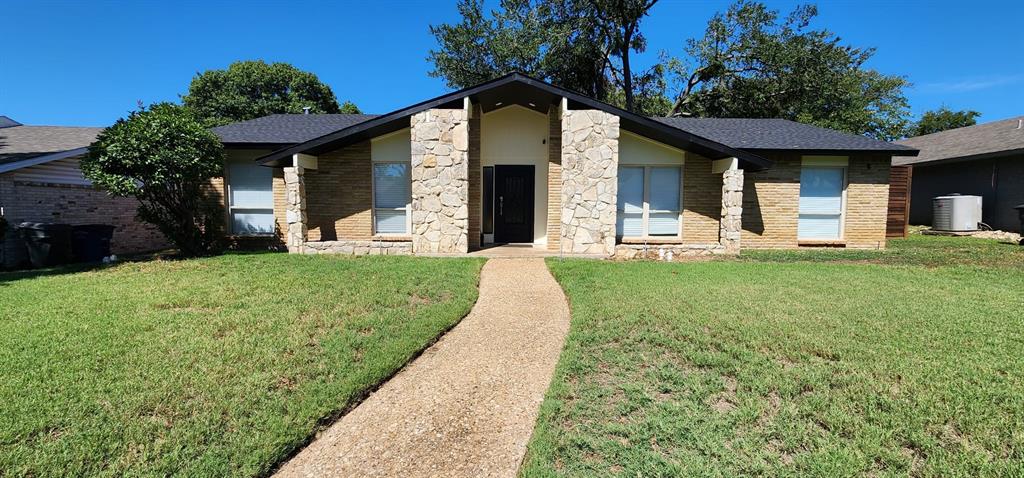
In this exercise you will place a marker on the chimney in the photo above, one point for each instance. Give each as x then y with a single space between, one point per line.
305 109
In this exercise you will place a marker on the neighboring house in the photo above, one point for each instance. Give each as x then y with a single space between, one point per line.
984 160
517 160
40 181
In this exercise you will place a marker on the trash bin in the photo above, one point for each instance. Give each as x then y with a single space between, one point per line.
91 242
47 244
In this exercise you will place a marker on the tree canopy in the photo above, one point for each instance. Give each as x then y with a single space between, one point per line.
581 45
750 62
943 119
251 89
161 155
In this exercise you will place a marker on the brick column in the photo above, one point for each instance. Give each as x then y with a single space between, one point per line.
590 161
440 181
732 210
295 208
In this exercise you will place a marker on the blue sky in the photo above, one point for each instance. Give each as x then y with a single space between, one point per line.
88 63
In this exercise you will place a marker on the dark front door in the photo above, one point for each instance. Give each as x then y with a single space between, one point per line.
513 204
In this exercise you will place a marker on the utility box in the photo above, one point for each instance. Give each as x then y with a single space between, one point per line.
956 213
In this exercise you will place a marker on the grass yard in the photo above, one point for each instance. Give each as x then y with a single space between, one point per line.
209 367
799 363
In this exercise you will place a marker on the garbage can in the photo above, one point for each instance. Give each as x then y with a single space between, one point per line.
91 242
47 244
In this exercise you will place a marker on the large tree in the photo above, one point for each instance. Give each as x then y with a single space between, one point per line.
251 89
582 45
752 63
162 155
943 119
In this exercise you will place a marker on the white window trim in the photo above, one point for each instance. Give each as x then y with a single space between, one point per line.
808 162
232 209
373 202
646 214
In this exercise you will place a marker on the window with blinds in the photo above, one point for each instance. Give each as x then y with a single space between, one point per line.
649 201
821 202
250 198
391 196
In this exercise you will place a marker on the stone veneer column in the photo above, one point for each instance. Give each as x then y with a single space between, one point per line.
590 160
295 208
732 210
440 181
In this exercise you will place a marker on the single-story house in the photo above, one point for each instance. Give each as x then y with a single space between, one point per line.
984 160
518 160
40 181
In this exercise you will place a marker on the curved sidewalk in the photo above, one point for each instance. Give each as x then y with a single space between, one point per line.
467 406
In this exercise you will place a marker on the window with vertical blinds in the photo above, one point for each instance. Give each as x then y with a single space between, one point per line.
821 202
649 201
391 197
250 198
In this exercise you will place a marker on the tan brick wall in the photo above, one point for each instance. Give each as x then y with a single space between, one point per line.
771 203
867 201
338 195
75 205
554 226
475 180
702 201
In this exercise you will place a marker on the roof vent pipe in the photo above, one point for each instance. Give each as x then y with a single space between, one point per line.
305 109
1020 123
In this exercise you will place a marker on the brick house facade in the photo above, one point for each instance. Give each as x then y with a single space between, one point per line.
35 194
517 160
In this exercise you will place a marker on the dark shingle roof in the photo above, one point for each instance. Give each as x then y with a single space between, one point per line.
979 140
779 134
24 142
287 128
7 122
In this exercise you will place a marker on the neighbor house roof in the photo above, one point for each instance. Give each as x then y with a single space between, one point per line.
286 129
22 146
781 134
971 142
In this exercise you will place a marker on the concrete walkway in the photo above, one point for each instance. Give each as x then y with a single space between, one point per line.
467 406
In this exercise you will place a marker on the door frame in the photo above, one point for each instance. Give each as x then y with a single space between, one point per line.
532 185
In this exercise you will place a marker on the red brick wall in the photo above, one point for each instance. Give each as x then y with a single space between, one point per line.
75 205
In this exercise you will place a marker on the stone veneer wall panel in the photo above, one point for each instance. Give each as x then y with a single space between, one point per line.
554 227
732 210
338 195
440 185
475 180
590 157
702 201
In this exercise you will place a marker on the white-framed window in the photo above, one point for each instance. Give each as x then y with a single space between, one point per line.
822 200
650 201
392 195
250 198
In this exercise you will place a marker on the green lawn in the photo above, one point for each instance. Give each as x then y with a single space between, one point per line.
817 363
209 367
